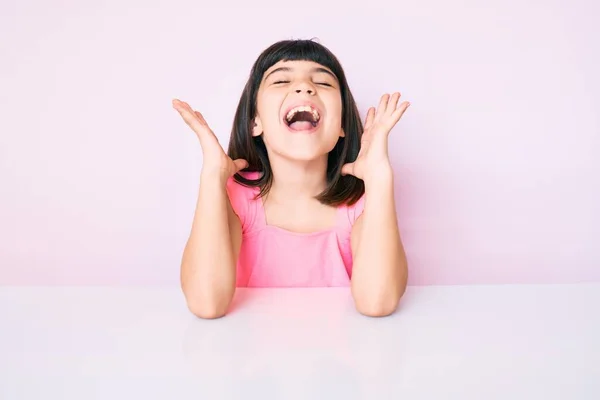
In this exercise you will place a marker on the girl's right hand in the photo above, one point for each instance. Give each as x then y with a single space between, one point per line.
215 160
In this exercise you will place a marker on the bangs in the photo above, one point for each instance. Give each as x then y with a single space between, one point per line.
297 50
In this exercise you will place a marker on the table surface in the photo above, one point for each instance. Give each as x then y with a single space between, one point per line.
444 342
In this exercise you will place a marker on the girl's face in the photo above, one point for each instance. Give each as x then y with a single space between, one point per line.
299 110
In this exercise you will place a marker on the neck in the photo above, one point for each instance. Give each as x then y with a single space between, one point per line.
297 181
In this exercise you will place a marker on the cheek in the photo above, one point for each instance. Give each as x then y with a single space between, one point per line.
268 110
334 109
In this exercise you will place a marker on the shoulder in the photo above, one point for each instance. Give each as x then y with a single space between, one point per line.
238 190
352 212
242 199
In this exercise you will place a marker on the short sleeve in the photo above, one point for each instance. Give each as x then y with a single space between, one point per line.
356 209
242 202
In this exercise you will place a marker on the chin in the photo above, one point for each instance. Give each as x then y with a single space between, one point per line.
302 156
301 146
298 152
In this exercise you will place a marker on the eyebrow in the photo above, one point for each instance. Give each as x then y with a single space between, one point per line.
313 70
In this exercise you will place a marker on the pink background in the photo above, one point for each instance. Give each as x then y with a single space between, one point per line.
497 160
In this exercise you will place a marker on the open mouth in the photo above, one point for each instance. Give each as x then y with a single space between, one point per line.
302 118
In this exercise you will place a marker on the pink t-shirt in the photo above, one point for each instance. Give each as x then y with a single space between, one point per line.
271 256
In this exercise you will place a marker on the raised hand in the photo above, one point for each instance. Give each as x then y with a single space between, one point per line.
215 160
373 160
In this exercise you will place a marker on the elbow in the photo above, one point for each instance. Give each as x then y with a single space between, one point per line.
377 304
376 308
206 310
206 299
208 304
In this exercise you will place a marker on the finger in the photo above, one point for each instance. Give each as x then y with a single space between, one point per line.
397 114
189 118
369 118
201 118
383 103
185 108
348 169
240 164
181 105
393 102
185 111
193 119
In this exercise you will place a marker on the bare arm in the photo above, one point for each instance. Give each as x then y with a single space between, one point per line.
208 265
380 272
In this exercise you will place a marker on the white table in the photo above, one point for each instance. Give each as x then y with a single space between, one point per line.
460 342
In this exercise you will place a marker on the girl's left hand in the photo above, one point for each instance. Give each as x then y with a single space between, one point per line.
373 161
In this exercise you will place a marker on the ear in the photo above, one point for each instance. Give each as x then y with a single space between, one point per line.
342 133
257 129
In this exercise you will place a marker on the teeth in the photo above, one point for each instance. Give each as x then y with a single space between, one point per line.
294 110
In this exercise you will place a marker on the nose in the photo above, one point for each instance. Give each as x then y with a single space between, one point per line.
305 86
309 91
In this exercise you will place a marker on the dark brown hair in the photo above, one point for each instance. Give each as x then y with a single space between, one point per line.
340 189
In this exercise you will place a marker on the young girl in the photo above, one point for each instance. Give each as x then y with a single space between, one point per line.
304 196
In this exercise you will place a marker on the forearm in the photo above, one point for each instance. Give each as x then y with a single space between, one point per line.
379 271
208 263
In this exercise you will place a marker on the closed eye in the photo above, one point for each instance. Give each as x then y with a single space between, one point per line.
318 83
